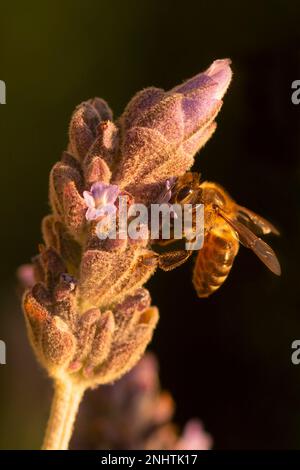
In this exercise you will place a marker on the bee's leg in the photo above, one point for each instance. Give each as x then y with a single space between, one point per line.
173 259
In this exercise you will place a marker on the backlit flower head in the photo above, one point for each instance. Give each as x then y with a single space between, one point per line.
89 317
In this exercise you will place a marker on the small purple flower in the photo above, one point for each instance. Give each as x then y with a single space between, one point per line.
100 200
26 276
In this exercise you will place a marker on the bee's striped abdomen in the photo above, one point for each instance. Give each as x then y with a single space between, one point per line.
215 259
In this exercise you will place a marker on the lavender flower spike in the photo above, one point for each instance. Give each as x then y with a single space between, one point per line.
88 316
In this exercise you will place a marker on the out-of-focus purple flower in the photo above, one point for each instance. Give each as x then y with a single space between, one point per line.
135 413
194 437
100 200
25 274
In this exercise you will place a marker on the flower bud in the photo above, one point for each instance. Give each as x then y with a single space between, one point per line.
163 130
84 124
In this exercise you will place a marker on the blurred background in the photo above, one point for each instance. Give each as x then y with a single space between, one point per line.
225 359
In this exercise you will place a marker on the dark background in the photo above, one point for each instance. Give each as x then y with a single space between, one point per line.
225 359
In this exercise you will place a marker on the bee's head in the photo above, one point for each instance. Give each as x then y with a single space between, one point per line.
187 189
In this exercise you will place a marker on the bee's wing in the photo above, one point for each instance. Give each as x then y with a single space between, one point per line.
255 222
256 244
173 259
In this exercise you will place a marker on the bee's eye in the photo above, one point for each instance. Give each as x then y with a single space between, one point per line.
183 193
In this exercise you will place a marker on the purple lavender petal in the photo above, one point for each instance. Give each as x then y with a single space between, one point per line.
91 214
97 191
106 211
89 200
111 193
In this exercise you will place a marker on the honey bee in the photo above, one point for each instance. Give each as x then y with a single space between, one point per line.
226 226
